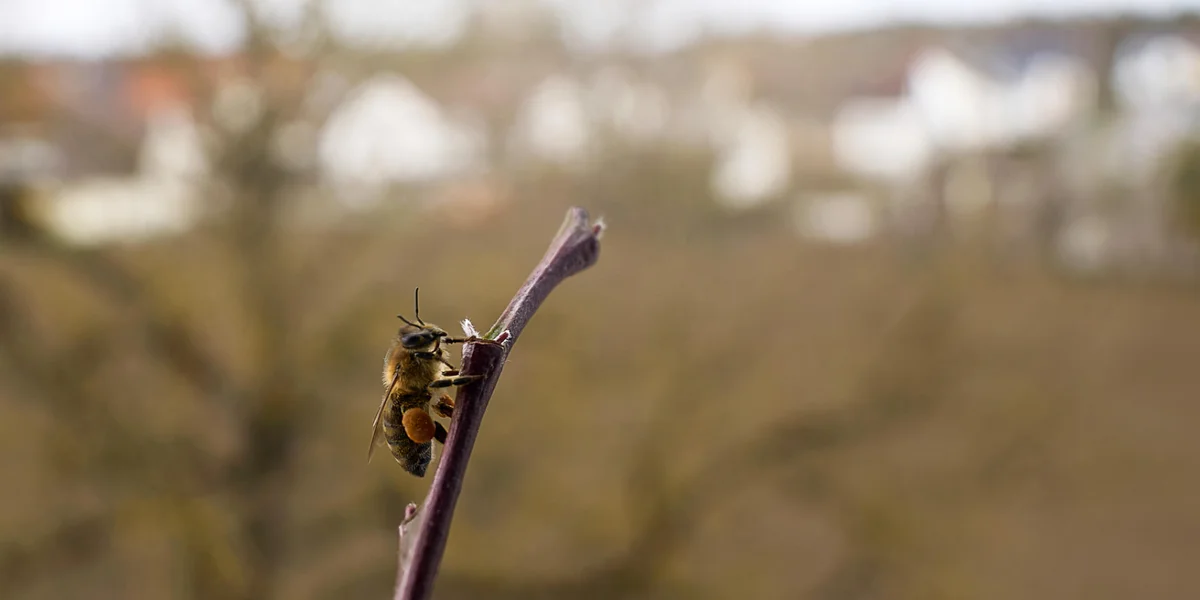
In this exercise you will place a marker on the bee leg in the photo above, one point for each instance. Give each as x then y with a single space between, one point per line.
445 406
450 340
439 433
433 356
450 373
460 380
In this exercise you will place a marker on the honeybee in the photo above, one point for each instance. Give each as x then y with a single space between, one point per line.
415 365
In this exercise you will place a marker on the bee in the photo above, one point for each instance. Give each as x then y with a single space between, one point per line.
412 370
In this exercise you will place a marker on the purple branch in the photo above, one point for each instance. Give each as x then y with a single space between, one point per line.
424 531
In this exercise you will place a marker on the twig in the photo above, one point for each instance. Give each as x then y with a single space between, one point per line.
424 532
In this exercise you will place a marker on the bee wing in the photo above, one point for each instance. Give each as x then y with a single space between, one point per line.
377 429
377 426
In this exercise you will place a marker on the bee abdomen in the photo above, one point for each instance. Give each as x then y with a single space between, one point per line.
414 457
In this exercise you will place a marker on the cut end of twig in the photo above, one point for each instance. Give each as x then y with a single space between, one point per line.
598 228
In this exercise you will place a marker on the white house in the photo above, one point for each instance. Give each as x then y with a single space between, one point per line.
959 102
554 125
978 102
390 132
1157 73
633 110
159 199
752 139
754 157
1157 83
102 210
956 101
173 146
883 139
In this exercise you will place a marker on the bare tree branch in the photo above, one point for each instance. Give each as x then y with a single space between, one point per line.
423 535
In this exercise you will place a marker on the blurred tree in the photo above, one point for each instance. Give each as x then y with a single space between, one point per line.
16 218
1183 175
225 509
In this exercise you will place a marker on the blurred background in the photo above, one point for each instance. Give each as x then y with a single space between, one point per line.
898 300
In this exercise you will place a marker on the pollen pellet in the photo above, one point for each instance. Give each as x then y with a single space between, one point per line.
418 425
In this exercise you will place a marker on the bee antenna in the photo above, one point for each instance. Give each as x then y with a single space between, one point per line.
417 305
401 317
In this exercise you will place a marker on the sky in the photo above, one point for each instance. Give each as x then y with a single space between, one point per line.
92 28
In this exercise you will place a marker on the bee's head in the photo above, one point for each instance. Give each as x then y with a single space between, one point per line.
419 335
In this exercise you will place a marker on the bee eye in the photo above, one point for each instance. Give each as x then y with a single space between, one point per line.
416 340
